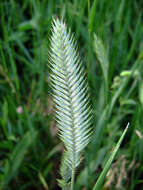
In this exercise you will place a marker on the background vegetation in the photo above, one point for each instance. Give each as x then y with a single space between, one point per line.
30 151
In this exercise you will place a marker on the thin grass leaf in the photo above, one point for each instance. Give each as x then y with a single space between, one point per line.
12 166
102 176
92 16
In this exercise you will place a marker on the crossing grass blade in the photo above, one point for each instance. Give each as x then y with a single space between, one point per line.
102 176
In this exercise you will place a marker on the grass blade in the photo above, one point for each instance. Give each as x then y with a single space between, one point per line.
101 178
92 16
16 158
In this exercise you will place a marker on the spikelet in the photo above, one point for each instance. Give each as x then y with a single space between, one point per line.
70 95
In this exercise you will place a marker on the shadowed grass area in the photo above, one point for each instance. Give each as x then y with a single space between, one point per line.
109 35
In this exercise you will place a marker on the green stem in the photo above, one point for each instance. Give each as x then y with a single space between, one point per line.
72 179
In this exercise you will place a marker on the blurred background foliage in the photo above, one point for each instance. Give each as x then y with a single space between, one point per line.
109 35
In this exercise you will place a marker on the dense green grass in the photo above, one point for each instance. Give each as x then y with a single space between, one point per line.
30 151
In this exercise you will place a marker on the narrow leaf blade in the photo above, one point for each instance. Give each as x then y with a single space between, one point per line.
16 158
102 176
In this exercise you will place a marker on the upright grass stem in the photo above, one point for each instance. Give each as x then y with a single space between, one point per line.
72 179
